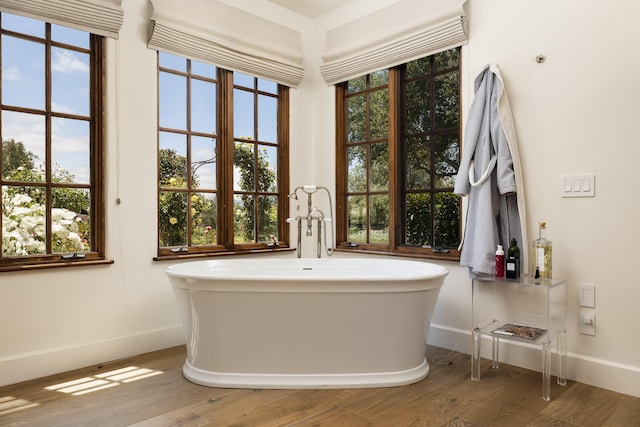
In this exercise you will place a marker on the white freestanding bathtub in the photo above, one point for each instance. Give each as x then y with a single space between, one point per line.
306 323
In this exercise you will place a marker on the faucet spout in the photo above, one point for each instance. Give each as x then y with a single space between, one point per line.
313 214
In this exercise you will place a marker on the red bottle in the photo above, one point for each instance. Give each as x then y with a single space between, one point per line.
500 262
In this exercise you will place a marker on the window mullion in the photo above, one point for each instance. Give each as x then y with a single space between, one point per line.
394 153
225 177
48 164
189 177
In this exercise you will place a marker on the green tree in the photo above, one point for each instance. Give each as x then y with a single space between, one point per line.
244 160
15 156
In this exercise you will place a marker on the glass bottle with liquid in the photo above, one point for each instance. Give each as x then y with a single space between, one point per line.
541 266
512 268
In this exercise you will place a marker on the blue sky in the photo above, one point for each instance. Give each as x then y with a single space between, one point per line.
173 107
23 85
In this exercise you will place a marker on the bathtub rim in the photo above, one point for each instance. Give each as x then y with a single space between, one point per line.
424 276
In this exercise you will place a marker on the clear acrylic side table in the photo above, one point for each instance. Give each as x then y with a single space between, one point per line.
522 310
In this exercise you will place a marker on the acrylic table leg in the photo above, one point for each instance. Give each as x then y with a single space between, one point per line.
562 358
546 371
475 354
495 357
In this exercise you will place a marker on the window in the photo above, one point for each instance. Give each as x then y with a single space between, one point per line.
398 152
52 135
222 160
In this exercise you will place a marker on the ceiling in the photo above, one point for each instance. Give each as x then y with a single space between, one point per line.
311 8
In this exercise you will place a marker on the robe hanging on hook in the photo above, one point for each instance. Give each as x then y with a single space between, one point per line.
540 59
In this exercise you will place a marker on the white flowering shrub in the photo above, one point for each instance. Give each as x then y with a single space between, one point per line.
24 227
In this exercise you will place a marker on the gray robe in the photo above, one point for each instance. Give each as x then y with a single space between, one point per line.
490 174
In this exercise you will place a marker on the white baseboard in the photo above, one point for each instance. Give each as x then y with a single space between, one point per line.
24 367
606 374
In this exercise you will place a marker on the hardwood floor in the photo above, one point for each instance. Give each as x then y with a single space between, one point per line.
149 390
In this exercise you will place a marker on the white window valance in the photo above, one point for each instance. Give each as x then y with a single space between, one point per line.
213 32
103 17
372 43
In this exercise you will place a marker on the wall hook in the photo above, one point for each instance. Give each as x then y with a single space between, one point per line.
540 59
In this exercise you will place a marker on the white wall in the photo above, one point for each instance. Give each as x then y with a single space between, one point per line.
574 114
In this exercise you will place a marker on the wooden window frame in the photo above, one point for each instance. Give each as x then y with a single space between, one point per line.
96 254
397 116
225 168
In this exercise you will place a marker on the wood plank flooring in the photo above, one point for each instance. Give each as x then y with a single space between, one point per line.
149 391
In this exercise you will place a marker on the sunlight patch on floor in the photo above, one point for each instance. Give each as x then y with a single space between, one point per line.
103 381
9 404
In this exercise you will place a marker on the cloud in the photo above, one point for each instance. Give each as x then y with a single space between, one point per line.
11 74
65 61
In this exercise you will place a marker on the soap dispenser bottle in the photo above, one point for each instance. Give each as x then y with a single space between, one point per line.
513 260
500 262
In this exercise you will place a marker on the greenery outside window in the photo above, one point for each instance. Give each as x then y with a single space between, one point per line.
398 150
51 123
222 160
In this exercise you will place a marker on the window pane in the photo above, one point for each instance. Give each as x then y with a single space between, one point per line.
379 219
357 218
23 221
203 106
419 67
70 150
356 116
243 117
267 86
379 114
70 85
174 62
203 162
418 163
268 218
379 167
357 84
418 107
267 118
357 172
243 167
23 73
23 25
268 169
173 218
25 134
418 219
447 99
447 59
240 79
202 69
173 101
379 78
447 224
243 218
173 160
447 159
70 227
204 214
69 36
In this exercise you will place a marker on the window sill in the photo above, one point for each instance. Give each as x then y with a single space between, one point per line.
47 265
453 255
197 255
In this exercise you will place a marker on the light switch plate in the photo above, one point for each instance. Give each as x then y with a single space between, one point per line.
586 295
578 185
